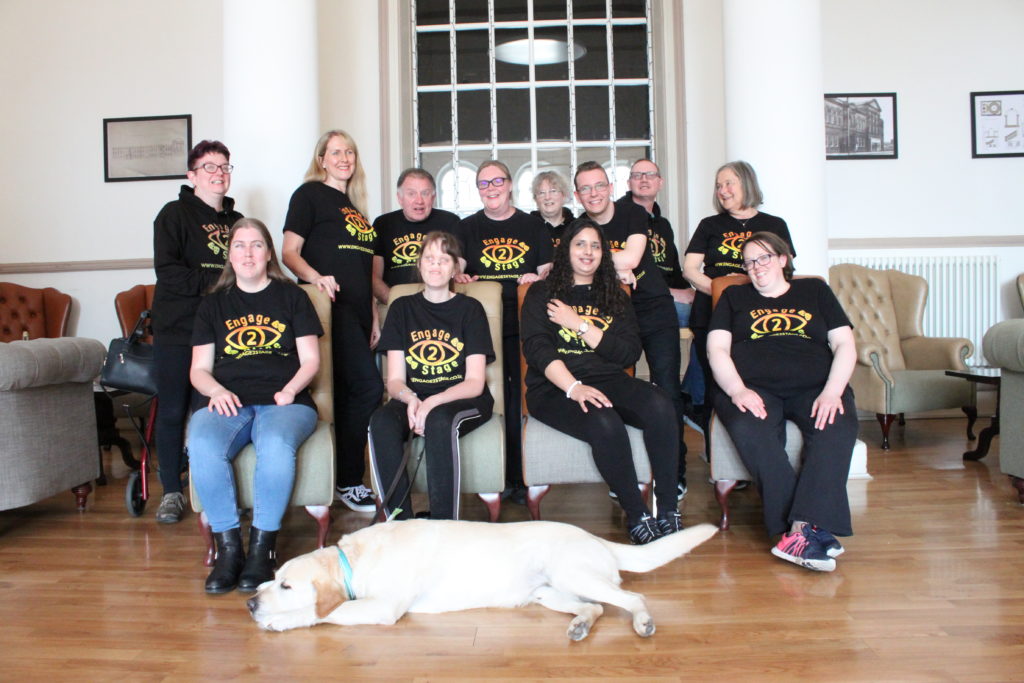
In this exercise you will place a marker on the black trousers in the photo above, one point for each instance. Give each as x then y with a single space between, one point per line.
174 390
663 358
635 403
818 493
513 412
389 430
357 392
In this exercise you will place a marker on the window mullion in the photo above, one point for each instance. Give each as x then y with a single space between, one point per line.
494 89
650 81
453 69
570 36
611 85
533 88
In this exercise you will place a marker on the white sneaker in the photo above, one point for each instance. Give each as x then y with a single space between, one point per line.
357 498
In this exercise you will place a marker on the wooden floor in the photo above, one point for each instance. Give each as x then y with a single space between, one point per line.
930 588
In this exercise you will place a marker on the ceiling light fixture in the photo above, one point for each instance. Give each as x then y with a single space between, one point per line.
545 51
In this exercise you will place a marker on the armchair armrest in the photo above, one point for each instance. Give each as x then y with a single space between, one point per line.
1004 345
42 362
936 353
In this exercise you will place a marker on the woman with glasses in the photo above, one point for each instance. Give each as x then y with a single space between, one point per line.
189 252
783 349
715 248
438 345
550 192
511 247
329 243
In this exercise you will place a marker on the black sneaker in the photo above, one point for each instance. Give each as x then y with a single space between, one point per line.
833 548
670 522
644 531
681 489
804 548
356 498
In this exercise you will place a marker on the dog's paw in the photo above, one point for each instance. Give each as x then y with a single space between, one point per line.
579 628
643 624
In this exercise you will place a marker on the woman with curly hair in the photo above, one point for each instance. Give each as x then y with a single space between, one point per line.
579 333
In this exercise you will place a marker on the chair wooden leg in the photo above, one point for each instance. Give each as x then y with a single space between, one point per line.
723 487
645 493
1018 484
82 492
493 503
902 421
322 515
886 422
533 498
207 533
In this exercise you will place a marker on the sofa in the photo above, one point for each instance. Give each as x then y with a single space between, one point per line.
1003 346
48 419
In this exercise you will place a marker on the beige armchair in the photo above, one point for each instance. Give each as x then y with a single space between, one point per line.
899 370
47 419
314 461
1004 348
482 451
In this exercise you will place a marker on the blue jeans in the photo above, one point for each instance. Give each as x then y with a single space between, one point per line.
213 442
693 379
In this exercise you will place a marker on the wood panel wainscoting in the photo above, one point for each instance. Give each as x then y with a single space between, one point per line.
930 588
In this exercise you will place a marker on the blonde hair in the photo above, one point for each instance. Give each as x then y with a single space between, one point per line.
356 186
274 272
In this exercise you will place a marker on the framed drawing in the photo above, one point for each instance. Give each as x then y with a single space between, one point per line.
860 126
997 124
146 147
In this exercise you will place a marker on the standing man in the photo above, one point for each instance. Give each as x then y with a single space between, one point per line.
401 232
625 228
645 182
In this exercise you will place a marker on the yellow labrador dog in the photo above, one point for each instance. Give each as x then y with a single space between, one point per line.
379 573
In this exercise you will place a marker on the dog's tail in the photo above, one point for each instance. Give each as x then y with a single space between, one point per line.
644 558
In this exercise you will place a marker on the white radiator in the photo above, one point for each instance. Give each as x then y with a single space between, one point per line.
963 293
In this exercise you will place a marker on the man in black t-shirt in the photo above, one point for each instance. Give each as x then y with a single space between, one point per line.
625 228
401 232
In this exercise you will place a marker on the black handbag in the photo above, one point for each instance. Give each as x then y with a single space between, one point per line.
129 365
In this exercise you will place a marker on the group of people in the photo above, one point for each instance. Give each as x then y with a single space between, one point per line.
236 345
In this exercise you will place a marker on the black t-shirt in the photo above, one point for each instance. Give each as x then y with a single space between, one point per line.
436 339
338 241
556 231
399 241
720 239
503 251
254 340
781 343
545 341
651 298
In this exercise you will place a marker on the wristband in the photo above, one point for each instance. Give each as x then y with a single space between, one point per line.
405 390
568 392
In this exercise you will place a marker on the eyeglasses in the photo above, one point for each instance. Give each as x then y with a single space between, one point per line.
443 260
497 182
548 193
596 187
640 175
210 167
762 260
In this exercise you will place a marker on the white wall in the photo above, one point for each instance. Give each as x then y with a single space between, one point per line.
67 66
932 53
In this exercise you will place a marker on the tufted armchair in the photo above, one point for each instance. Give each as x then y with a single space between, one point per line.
31 313
899 370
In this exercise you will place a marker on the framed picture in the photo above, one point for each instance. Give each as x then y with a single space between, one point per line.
997 124
146 147
860 126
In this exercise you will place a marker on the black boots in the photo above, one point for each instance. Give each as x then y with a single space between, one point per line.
228 563
260 564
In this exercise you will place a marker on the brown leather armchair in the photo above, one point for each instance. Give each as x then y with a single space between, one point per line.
130 304
899 370
28 313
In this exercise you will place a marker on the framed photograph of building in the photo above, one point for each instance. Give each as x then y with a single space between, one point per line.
146 147
860 126
997 124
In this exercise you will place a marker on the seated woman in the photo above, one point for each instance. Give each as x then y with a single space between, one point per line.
438 345
579 333
254 352
783 349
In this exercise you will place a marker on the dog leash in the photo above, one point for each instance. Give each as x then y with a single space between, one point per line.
346 570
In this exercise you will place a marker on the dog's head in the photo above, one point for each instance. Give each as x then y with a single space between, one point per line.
304 591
